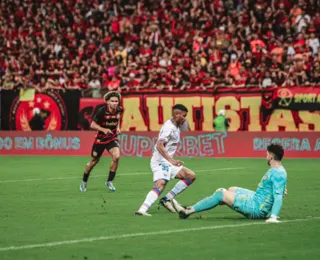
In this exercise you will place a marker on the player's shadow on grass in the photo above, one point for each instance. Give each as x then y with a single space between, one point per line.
217 218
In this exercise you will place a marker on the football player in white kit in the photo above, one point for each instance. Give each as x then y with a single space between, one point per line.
164 167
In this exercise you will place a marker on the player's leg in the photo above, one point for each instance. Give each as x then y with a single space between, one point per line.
186 176
96 152
232 189
239 190
152 196
160 180
114 150
245 204
238 199
220 196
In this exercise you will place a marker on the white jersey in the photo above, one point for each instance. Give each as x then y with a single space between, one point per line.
170 134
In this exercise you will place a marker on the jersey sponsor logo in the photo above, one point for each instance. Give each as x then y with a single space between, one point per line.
111 123
51 102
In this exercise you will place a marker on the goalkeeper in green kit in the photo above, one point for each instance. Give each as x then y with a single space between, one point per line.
264 203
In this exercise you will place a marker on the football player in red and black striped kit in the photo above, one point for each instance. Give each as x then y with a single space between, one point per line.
107 122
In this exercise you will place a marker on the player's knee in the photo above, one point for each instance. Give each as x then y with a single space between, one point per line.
190 175
160 184
220 194
232 189
116 157
93 162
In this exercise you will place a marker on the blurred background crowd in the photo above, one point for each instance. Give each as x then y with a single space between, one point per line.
158 45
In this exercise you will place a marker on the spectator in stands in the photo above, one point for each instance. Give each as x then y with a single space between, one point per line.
313 42
95 86
8 82
267 81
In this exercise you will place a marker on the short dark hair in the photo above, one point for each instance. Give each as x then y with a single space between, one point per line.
180 107
277 150
111 94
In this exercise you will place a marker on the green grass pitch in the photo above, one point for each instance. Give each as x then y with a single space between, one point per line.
43 215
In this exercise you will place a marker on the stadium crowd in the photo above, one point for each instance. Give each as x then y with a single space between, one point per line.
152 45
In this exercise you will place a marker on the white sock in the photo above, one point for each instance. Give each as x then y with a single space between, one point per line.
150 199
178 188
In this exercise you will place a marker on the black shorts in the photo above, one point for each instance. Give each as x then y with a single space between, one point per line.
98 149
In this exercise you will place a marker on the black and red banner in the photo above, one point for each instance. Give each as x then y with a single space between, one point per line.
61 108
297 98
281 109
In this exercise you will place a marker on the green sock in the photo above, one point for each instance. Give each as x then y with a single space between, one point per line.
209 202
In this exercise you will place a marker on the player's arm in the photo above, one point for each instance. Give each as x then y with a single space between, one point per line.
278 192
95 126
118 126
161 149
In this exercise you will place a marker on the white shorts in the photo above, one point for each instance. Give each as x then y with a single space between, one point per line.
164 171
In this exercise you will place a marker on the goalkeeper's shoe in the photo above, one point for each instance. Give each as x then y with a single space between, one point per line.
273 220
110 186
145 214
183 211
83 186
167 204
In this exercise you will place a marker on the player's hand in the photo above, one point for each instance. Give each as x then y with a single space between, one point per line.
273 220
176 162
118 131
107 131
285 192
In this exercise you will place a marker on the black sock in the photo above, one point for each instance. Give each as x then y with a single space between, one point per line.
85 176
111 176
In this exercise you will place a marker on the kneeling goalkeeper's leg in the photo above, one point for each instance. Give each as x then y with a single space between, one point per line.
211 201
208 203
